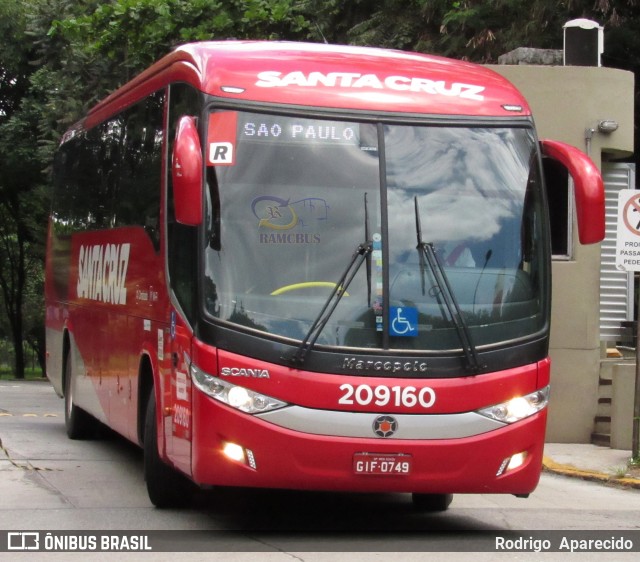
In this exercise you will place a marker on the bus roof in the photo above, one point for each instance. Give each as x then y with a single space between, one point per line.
328 76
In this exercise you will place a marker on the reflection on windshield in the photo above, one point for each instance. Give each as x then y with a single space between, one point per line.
477 190
286 212
444 293
471 182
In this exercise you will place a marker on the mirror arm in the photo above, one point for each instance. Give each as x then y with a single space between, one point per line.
589 189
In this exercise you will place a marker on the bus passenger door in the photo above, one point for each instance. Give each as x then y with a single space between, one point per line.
179 430
182 250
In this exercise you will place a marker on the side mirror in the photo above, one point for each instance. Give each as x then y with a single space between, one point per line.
186 170
589 188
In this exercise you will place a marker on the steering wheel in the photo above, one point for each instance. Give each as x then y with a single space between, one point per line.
306 285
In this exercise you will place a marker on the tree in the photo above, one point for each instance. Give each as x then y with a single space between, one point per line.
57 57
22 224
477 30
98 46
22 217
21 232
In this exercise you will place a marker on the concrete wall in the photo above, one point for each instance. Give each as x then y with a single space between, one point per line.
566 101
623 394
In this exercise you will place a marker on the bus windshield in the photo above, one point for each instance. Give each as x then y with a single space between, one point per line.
291 200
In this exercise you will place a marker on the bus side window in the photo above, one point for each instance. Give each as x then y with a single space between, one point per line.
560 212
140 152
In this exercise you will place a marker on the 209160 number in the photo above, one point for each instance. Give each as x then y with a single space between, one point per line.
381 395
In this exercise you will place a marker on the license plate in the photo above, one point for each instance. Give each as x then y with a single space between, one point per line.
375 463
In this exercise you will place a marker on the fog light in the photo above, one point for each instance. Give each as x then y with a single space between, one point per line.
511 463
233 451
516 461
237 453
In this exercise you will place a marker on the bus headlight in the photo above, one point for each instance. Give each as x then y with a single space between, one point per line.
237 397
519 407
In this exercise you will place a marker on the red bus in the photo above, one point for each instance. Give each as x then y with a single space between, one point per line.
310 267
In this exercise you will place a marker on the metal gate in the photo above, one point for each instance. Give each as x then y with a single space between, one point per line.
616 287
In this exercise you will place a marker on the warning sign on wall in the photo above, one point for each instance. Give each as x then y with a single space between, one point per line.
628 237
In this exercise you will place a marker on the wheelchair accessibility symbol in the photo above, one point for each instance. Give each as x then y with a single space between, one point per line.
403 320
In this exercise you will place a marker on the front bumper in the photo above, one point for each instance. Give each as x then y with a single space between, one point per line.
293 459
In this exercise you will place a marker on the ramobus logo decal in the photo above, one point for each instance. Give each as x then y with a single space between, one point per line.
275 79
102 272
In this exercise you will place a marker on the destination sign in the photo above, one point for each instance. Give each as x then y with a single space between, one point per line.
291 130
227 130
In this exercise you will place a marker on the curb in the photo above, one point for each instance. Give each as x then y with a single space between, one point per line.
549 465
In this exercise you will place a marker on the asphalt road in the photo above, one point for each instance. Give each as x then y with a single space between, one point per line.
48 482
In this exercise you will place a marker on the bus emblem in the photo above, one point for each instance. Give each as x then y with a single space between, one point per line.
385 426
240 372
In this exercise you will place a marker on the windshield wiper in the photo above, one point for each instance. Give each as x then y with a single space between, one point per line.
360 255
428 253
367 236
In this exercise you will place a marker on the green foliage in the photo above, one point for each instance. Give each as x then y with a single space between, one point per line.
114 41
477 30
22 179
32 373
13 70
57 58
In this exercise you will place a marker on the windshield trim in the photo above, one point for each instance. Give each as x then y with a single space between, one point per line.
448 363
359 116
380 119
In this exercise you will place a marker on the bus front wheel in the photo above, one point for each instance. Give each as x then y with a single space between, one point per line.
165 486
79 424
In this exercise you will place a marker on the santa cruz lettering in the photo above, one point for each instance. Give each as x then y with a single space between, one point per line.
353 364
381 395
275 79
102 272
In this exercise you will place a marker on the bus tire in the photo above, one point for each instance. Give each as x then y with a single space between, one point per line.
79 424
431 502
165 486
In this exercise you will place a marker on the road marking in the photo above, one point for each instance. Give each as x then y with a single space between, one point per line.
9 414
27 466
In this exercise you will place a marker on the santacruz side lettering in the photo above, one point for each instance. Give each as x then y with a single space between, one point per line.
102 272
